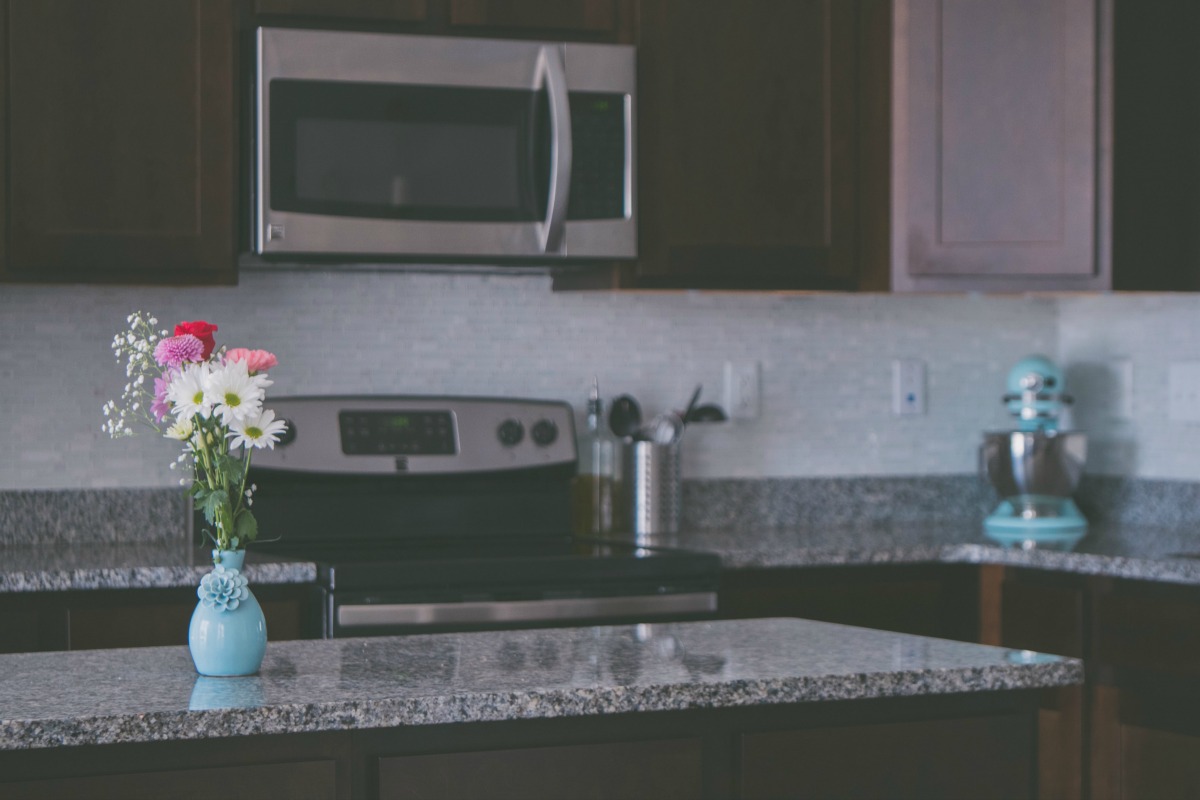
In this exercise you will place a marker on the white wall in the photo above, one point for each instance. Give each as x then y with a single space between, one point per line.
826 371
1151 332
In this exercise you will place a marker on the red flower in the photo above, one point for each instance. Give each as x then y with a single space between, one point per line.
201 330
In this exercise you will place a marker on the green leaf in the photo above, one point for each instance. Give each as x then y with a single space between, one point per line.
247 526
213 503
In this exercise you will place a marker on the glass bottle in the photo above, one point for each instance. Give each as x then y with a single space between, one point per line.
592 506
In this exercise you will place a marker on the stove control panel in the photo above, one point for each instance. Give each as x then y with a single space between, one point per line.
408 433
419 435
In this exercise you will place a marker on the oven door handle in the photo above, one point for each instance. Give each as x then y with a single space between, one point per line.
557 610
552 75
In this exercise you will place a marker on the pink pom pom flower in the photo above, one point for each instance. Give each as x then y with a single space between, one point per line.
178 350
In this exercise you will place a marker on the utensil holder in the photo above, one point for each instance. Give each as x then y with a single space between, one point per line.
653 487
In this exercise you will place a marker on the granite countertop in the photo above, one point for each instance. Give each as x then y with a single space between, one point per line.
1121 551
149 565
154 694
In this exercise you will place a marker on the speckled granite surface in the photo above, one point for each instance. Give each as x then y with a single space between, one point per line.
93 516
1120 551
153 694
64 567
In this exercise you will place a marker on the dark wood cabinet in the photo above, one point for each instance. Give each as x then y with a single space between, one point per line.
975 745
122 141
653 770
749 118
976 757
374 10
938 600
1133 730
1045 612
100 619
583 20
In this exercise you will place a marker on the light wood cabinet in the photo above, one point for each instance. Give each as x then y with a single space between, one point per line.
1001 145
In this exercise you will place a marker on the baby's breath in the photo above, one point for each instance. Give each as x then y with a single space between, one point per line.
134 348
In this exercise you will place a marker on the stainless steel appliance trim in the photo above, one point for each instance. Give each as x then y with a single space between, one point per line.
318 448
552 72
523 610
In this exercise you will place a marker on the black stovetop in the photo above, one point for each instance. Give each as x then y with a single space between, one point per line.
566 561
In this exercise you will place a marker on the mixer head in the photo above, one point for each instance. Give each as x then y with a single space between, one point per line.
1035 393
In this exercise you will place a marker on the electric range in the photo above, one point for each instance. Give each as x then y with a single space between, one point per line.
453 513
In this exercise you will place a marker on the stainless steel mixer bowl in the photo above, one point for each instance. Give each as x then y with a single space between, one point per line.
1035 463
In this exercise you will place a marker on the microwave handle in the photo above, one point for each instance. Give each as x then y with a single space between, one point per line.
552 75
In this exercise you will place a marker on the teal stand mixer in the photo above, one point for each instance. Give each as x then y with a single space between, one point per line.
1037 467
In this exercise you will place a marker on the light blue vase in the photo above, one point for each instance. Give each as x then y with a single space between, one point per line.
228 633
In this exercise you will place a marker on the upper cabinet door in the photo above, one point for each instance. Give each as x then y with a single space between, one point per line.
122 141
746 161
1001 152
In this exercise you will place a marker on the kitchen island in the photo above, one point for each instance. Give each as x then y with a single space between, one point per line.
683 709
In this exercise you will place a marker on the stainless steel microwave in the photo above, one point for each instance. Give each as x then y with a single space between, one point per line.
409 147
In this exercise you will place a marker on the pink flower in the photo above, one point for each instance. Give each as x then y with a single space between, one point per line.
256 360
160 408
178 350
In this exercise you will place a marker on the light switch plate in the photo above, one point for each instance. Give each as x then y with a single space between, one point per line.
908 387
1183 391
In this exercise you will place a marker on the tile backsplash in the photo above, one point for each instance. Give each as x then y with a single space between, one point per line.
825 366
825 363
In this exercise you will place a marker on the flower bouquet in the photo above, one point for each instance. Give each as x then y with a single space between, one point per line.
211 400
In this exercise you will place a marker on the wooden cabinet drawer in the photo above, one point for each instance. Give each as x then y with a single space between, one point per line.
941 758
1149 630
661 770
308 779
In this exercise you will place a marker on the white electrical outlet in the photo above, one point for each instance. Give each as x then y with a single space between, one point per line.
742 389
1122 378
908 386
1183 391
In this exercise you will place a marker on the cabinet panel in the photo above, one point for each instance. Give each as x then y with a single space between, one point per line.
1149 629
122 141
309 779
383 10
1040 612
980 758
655 770
746 180
937 601
583 16
1000 129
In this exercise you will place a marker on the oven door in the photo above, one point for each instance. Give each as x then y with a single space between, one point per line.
378 614
381 144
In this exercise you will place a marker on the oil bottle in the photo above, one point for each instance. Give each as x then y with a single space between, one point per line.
592 501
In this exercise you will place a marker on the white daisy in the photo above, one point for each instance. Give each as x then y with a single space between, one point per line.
186 392
260 430
234 393
181 430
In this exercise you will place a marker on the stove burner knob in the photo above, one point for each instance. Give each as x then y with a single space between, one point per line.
288 434
510 432
544 432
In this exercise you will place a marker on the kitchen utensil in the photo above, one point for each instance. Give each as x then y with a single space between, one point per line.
706 413
664 429
691 406
624 416
1037 467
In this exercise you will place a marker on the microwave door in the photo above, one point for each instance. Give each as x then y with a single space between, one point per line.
410 146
